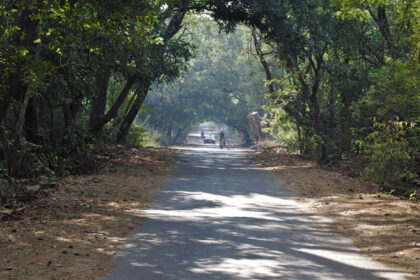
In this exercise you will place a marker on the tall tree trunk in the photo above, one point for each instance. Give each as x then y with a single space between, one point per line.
310 93
346 121
130 103
32 123
112 112
346 101
132 113
316 114
68 116
317 125
71 110
247 138
178 134
99 102
52 138
22 113
314 105
4 106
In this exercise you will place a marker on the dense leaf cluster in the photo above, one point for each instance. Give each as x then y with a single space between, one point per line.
350 84
72 69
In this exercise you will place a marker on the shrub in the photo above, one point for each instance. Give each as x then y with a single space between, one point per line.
413 195
138 135
392 157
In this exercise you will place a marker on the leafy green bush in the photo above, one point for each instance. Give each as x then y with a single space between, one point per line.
392 141
138 135
413 195
45 164
390 192
154 138
392 159
75 142
281 128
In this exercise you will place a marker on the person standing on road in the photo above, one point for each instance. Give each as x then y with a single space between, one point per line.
222 138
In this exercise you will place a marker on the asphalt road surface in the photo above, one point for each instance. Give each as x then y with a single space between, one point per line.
219 217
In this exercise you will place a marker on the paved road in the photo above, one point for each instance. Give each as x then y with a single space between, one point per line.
221 218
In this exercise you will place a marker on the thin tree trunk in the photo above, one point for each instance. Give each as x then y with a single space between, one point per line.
247 138
301 146
261 59
22 113
178 134
52 140
373 51
346 101
4 106
32 123
68 116
176 22
382 21
311 95
316 115
130 103
169 131
28 94
6 148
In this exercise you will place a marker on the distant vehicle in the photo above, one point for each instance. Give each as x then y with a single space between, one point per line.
210 140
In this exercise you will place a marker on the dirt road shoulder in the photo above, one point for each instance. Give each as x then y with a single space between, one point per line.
384 227
73 230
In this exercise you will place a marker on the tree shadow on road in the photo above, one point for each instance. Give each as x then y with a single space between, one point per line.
234 223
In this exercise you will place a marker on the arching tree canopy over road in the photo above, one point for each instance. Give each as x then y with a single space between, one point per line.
343 76
84 83
223 83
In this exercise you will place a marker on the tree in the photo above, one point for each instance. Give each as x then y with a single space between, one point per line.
58 58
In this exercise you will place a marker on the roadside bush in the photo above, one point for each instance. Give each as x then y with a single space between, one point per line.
154 138
393 160
282 129
75 142
138 135
392 141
